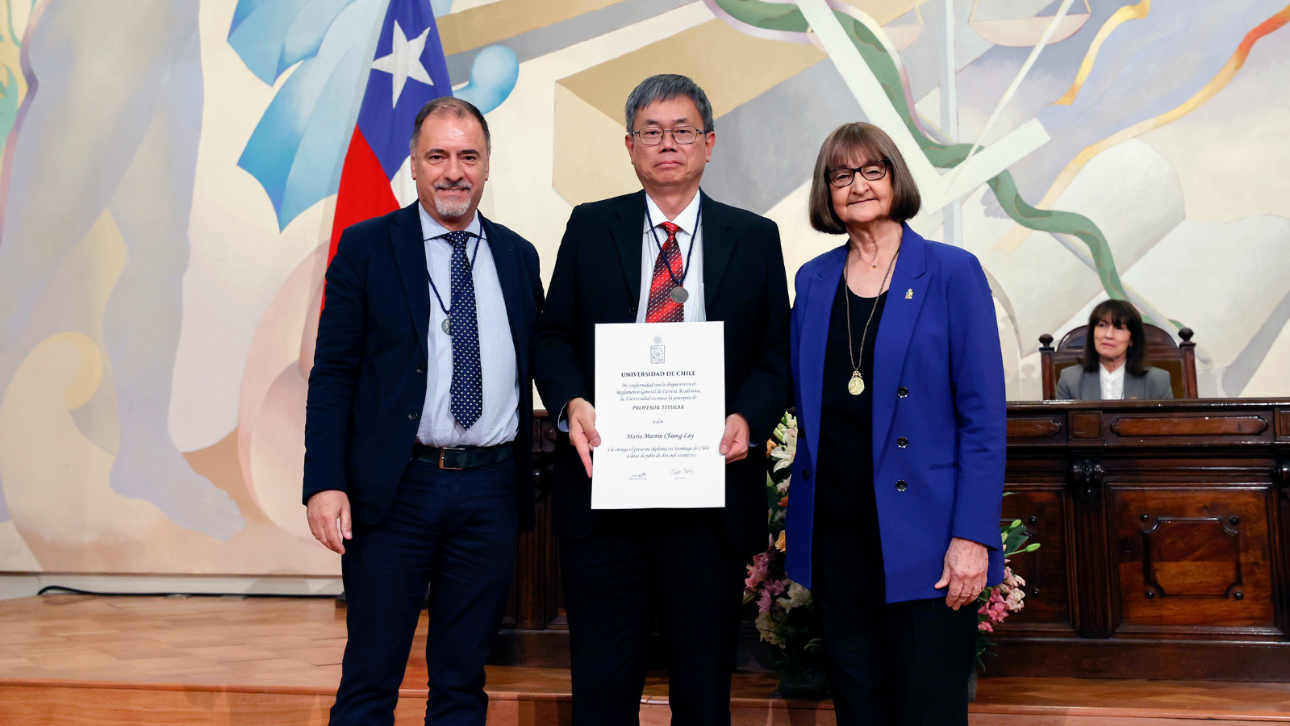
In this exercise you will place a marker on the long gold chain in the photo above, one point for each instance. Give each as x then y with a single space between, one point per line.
856 385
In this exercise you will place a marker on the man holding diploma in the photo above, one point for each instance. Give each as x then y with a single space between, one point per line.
668 254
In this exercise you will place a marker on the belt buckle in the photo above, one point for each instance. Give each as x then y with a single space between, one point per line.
444 451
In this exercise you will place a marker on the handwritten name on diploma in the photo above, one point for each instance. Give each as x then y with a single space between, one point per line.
660 410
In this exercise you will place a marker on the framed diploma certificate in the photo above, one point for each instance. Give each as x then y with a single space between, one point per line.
660 411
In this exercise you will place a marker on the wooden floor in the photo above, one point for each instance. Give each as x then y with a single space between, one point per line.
73 661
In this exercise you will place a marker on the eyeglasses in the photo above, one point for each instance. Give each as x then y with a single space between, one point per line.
653 136
872 171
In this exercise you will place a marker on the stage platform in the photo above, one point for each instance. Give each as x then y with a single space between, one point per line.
76 661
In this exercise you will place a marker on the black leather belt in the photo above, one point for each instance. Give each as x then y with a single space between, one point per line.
456 458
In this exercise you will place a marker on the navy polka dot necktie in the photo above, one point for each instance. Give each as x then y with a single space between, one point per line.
467 387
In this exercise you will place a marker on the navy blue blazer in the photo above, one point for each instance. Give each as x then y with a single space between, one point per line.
368 384
938 383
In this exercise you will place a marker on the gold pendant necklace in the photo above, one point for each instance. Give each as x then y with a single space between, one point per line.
855 386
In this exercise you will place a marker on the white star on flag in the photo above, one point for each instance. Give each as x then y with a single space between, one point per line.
404 61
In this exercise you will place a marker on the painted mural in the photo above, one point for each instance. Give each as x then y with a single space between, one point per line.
169 178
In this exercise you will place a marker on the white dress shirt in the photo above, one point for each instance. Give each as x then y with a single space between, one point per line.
499 419
1112 383
693 284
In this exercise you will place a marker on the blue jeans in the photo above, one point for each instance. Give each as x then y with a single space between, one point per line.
454 531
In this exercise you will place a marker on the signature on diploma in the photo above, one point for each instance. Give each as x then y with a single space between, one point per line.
637 477
681 473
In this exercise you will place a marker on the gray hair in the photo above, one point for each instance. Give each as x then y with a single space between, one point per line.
665 87
452 106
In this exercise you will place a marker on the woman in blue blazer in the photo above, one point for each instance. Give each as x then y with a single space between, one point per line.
893 521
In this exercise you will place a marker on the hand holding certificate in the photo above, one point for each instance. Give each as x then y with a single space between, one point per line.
660 413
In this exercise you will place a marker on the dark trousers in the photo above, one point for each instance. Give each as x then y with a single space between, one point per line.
903 664
677 564
452 530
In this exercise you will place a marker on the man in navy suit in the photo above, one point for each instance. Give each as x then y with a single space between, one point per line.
418 428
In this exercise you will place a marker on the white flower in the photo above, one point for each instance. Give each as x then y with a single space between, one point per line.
797 596
766 626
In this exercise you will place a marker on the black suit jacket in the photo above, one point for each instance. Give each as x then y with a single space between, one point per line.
368 384
597 279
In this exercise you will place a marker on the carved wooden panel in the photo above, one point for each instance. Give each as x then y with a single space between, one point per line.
1196 557
1192 557
1042 512
1189 426
1033 428
1283 424
1086 425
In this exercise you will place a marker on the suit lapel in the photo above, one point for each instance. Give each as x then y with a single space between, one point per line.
627 233
718 245
507 262
1134 387
1090 386
899 315
410 254
818 299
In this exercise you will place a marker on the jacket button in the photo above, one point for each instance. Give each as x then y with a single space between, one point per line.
902 442
806 474
421 369
902 392
901 485
413 416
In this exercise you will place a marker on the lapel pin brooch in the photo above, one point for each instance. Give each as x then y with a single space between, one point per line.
909 294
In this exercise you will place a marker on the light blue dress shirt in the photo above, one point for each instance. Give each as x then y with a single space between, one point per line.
500 419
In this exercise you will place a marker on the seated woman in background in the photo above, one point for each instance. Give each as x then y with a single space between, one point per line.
1113 363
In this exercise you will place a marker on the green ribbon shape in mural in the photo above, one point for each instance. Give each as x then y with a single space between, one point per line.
788 19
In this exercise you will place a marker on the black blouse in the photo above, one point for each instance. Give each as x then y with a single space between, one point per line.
844 472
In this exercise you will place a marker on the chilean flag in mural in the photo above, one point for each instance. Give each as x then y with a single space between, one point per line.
408 70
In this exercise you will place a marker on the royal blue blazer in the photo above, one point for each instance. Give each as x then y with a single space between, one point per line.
938 383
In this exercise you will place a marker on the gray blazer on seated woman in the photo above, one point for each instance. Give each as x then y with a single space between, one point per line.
1113 368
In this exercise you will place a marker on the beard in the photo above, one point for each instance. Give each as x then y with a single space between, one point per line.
452 209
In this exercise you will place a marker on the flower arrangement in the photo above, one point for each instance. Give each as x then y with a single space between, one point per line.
785 611
995 604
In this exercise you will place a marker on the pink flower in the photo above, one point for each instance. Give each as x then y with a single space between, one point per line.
765 601
994 610
758 571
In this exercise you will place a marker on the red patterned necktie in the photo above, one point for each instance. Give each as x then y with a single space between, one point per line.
662 308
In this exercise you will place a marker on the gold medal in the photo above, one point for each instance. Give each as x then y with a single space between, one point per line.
856 385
